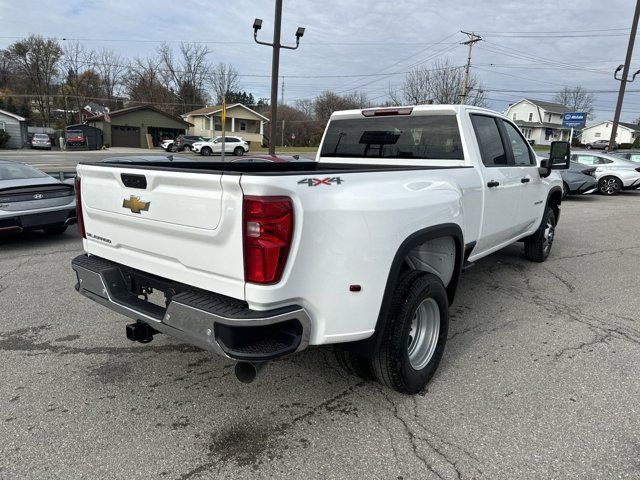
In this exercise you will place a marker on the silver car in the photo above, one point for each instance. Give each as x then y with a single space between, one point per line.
41 140
32 200
613 173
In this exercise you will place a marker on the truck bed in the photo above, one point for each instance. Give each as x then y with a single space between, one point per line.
265 168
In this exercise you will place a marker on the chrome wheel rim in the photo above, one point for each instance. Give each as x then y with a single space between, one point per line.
609 186
549 233
424 333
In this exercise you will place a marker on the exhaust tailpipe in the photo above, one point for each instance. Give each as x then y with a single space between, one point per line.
247 372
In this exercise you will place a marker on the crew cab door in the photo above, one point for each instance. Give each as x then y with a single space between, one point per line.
501 184
531 198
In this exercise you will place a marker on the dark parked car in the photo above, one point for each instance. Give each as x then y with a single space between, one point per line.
600 145
578 179
32 200
184 143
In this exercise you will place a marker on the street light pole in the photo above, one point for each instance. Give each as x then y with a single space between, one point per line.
275 65
625 76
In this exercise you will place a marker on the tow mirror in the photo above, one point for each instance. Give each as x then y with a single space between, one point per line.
559 156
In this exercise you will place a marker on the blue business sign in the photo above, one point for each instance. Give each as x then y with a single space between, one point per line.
574 119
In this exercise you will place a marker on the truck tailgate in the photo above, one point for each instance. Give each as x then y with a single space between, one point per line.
181 225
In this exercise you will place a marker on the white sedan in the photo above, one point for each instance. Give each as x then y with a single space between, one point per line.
232 145
613 173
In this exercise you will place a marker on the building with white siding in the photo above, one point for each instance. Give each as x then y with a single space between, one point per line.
626 133
16 127
540 121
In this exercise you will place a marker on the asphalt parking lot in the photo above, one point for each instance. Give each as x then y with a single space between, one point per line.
540 379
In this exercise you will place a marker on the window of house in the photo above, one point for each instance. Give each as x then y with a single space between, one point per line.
531 116
243 126
515 115
489 140
597 134
217 123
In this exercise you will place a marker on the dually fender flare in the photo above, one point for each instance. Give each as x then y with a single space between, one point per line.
370 345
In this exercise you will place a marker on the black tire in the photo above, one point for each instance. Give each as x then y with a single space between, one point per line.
391 364
565 190
238 151
538 246
55 230
588 147
354 364
609 185
186 148
171 148
206 151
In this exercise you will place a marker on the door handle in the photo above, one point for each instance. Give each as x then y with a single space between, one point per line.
525 180
492 184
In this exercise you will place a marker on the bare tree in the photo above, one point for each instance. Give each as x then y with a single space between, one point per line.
37 59
144 84
111 68
76 61
328 102
224 78
187 75
576 99
441 83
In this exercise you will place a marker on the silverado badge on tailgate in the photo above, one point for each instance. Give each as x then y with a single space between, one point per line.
135 204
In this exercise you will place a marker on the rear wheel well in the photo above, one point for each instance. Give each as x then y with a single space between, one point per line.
447 242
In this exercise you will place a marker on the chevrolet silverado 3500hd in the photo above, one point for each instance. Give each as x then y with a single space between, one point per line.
362 248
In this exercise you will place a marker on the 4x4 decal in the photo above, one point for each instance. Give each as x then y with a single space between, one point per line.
314 182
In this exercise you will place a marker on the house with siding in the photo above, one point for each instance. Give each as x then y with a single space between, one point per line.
539 121
241 121
16 127
626 133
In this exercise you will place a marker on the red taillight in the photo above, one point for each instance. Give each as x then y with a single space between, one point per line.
79 218
267 231
589 171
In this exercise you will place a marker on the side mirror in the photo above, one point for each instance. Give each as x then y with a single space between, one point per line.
559 156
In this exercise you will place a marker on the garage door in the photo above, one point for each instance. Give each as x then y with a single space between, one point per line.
125 136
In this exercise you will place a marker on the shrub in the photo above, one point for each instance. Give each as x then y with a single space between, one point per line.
626 146
4 138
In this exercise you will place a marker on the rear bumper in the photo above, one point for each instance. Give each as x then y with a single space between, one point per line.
213 322
35 221
585 187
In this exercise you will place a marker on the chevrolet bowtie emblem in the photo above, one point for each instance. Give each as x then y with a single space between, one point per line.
135 204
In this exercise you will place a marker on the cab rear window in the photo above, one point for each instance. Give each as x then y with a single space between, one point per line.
420 137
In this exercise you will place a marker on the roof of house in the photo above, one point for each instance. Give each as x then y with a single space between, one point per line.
13 115
549 106
218 108
124 111
630 126
557 126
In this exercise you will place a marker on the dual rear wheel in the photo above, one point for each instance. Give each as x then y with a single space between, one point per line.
413 339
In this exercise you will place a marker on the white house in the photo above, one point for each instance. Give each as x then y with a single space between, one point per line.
540 121
16 127
241 121
626 133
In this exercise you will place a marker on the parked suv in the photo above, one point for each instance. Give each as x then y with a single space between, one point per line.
232 145
600 145
185 143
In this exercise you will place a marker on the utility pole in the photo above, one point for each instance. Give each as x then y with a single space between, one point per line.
625 76
275 65
282 91
473 38
283 133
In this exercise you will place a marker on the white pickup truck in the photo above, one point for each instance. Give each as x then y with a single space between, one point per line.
362 248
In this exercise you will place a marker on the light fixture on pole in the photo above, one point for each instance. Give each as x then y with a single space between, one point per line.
275 65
